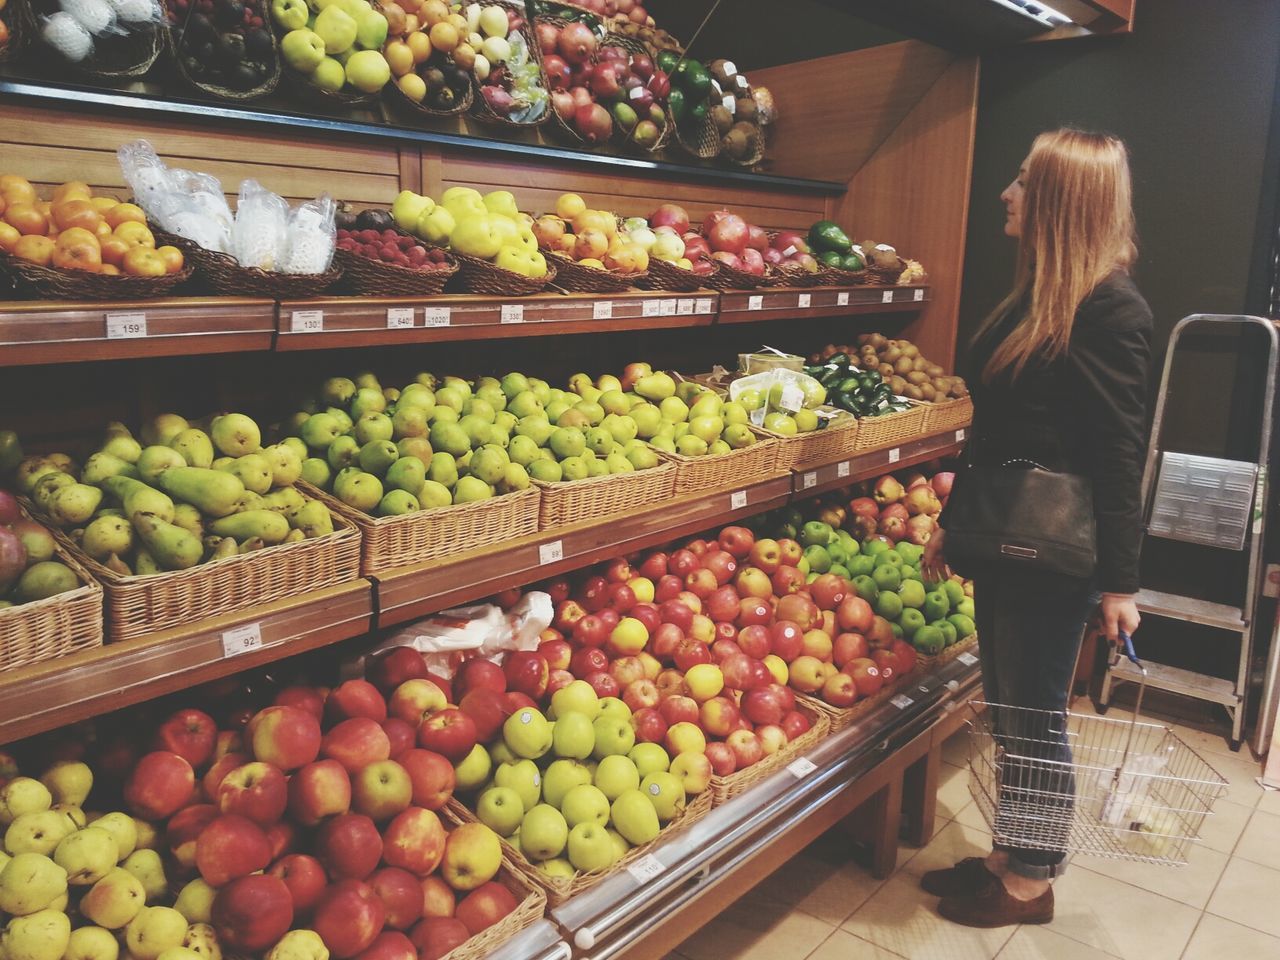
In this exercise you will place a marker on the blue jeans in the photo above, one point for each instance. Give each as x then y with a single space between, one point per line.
1030 625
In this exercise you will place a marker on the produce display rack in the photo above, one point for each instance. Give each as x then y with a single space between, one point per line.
34 332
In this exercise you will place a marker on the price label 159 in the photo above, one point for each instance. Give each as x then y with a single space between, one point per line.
436 316
399 318
512 313
645 868
126 326
241 639
603 309
550 552
306 321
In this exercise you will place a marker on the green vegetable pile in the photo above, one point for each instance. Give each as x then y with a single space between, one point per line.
864 393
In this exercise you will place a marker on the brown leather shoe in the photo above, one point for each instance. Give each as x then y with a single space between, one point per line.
966 878
995 907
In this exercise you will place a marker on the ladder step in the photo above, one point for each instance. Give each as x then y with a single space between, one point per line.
1192 610
1161 676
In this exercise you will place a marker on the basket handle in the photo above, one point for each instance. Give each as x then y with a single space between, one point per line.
1127 642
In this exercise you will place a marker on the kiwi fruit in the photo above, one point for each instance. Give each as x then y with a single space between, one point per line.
719 70
897 384
890 354
904 366
722 119
910 349
927 392
912 392
735 144
746 109
917 377
933 370
942 384
884 259
886 370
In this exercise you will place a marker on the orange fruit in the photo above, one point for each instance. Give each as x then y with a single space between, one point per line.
110 269
114 249
103 230
76 213
9 236
135 233
103 204
72 189
27 218
144 262
35 248
123 213
19 187
3 203
77 249
433 12
172 257
444 36
420 44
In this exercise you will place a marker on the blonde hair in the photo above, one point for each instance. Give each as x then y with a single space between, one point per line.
1077 227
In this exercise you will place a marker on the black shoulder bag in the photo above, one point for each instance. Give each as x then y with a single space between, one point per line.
1020 513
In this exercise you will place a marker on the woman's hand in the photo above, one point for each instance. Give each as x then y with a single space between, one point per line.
933 564
1118 612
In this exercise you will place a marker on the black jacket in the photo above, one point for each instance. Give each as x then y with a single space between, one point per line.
1083 413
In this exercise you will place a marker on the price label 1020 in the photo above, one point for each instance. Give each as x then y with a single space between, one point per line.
436 316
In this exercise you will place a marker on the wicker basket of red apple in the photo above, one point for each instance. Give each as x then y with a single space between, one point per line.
388 263
738 248
680 259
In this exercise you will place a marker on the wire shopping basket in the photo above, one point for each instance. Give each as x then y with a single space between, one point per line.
1126 790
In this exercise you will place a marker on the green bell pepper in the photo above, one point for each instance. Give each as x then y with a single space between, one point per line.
826 235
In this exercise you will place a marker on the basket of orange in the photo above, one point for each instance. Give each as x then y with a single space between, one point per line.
78 246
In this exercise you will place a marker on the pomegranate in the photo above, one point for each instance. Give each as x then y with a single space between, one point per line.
728 234
670 215
593 123
577 43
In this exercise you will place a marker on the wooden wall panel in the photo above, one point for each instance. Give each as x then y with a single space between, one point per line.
914 193
834 112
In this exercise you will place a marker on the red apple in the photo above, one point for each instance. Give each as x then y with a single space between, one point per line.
755 641
436 936
415 700
753 611
691 652
438 898
184 829
718 716
348 918
786 581
772 738
765 555
649 724
256 791
722 604
654 566
558 589
488 709
800 609
190 734
159 786
558 680
432 777
305 878
568 612
849 647
389 670
906 655
721 650
854 614
753 582
670 683
701 583
866 676
401 735
603 684
746 748
738 672
795 724
618 570
678 709
723 761
349 846
414 841
484 906
737 541
479 672
664 640
789 552
588 660
676 613
231 847
667 587
648 614
356 743
356 698
886 662
640 694
829 590
840 690
690 600
221 767
527 672
683 562
763 705
881 633
722 564
702 630
787 639
389 945
591 631
450 733
251 913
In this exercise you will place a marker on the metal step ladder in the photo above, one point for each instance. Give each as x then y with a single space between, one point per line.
1210 502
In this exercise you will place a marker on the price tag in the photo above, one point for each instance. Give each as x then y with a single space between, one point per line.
737 500
730 103
804 300
902 701
704 305
651 308
756 302
512 313
684 307
791 248
241 639
126 326
887 297
437 316
550 552
729 68
842 299
967 658
637 93
809 479
399 318
895 455
645 868
959 435
668 308
306 321
917 296
602 310
801 768
792 398
842 469
741 83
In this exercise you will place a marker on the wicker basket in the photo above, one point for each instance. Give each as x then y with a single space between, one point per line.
560 889
117 56
481 276
573 501
226 93
696 139
53 283
724 789
755 150
374 278
790 275
336 100
891 428
835 277
560 127
637 49
667 276
480 107
887 275
967 645
388 542
138 605
838 439
225 276
392 93
947 415
55 626
17 16
840 717
726 469
576 278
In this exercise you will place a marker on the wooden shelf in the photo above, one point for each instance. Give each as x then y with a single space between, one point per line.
751 306
39 332
58 692
819 478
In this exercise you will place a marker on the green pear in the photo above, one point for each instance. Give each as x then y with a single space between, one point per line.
286 501
320 430
317 472
443 469
144 564
377 456
87 855
203 940
373 425
409 421
45 579
345 423
101 465
442 414
215 492
250 501
147 866
163 428
271 527
313 519
195 901
299 945
397 503
137 498
48 485
254 471
471 490
74 504
36 833
123 446
360 490
68 781
30 882
188 518
338 391
195 447
92 943
38 936
123 830
171 547
153 931
179 953
514 478
114 900
434 495
221 548
106 536
449 438
72 813
285 463
343 452
155 460
407 474
235 435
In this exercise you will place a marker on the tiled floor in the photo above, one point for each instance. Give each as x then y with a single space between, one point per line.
822 906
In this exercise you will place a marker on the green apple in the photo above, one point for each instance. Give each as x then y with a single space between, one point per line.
574 736
781 423
544 833
114 900
329 74
590 847
633 815
575 697
527 733
290 14
615 775
303 50
43 935
620 844
336 28
649 758
31 882
147 866
87 855
586 804
614 736
473 769
23 795
153 931
501 810
665 792
806 421
558 867
561 777
738 435
371 30
93 943
523 777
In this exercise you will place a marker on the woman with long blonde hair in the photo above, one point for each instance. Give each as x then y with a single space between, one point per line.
1059 380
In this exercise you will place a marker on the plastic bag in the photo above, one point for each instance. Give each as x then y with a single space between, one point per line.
138 13
65 34
311 236
261 230
98 17
780 391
